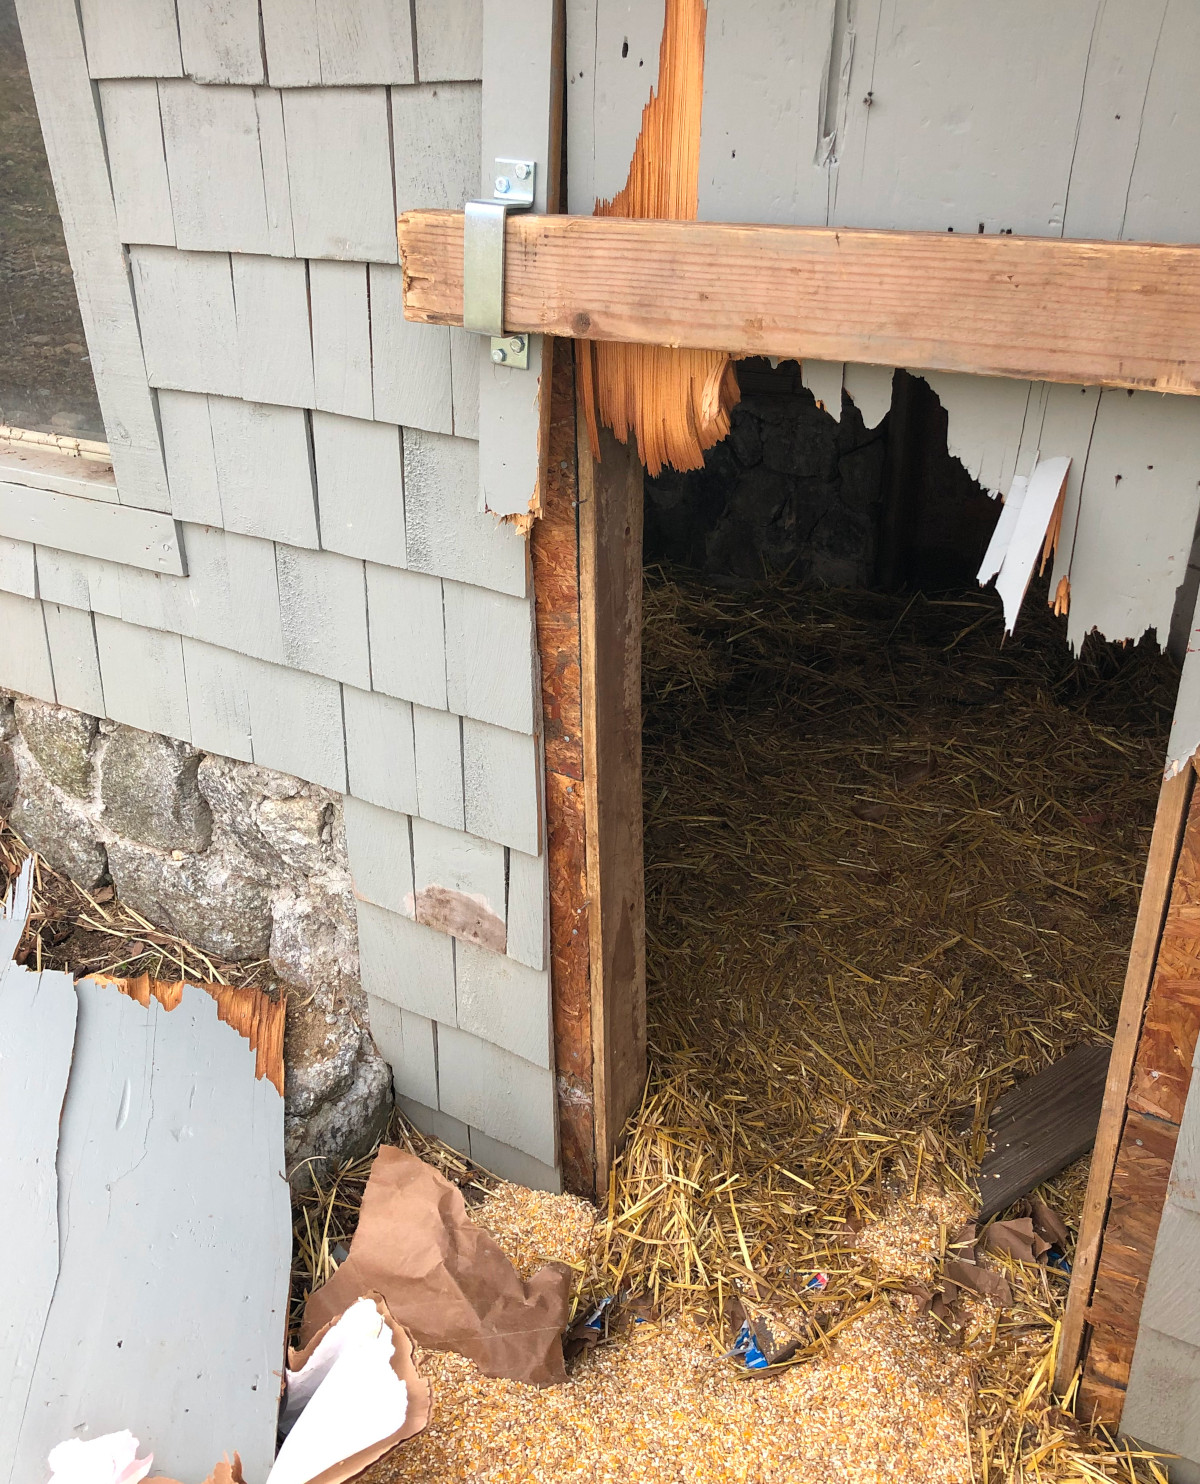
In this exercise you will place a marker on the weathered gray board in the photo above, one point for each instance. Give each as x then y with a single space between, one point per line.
151 1260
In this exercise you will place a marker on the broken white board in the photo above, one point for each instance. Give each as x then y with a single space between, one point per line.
824 380
170 1307
1036 505
1002 534
1185 724
37 1037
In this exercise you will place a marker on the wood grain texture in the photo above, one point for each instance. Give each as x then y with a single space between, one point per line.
274 336
218 197
460 885
115 533
610 566
54 52
188 322
410 364
436 134
73 657
263 470
380 852
380 760
1121 1169
437 738
449 39
504 1002
310 42
39 1028
137 161
143 676
219 699
340 173
18 568
131 38
489 656
170 1154
502 785
405 963
360 487
1112 313
407 632
220 41
528 909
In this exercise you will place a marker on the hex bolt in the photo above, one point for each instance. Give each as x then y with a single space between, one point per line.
503 185
517 343
498 355
522 170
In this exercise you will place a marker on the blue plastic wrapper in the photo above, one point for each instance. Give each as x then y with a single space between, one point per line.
745 1348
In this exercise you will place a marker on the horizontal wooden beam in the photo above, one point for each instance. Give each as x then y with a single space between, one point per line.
1094 313
95 528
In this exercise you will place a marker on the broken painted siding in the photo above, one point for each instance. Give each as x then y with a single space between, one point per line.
1078 120
348 613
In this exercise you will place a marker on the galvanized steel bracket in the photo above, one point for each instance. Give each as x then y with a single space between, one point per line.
483 260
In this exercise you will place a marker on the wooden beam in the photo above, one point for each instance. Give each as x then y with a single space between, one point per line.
1165 844
1094 313
610 590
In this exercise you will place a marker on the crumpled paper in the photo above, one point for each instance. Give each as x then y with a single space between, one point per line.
446 1279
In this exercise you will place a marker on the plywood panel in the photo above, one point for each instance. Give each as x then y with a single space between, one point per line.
360 487
341 338
39 1023
447 532
218 198
410 363
131 38
340 171
407 629
188 323
275 357
164 1114
54 51
220 41
323 602
136 161
449 39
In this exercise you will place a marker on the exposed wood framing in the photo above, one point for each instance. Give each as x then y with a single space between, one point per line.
1105 1183
676 402
1096 313
610 544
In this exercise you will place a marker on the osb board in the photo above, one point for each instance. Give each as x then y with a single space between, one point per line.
1161 1075
555 554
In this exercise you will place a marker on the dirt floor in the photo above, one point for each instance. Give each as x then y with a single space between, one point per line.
45 373
892 867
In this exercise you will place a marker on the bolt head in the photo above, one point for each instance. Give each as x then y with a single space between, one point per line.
499 356
522 170
517 343
503 185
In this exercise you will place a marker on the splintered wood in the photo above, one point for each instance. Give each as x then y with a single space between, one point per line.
676 402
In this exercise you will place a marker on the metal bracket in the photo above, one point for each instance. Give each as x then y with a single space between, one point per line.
483 260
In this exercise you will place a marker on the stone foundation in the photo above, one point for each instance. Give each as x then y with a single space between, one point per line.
243 863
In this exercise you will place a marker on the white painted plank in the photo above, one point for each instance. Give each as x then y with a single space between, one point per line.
1002 532
339 168
220 41
437 737
379 750
1162 1403
504 1002
379 848
1062 422
985 420
365 41
405 1042
116 533
449 39
315 751
460 886
189 328
502 785
142 674
18 571
341 338
1164 186
218 197
73 658
1173 1286
22 462
870 389
136 161
174 1213
1045 486
436 143
264 471
528 909
275 359
323 604
406 964
824 380
1141 489
273 144
39 1033
191 462
291 43
131 38
14 910
410 363
360 487
218 700
489 1088
489 656
520 82
464 376
53 41
447 532
766 90
408 645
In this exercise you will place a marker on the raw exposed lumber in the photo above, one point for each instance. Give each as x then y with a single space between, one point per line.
676 402
1098 313
1152 909
1041 1126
